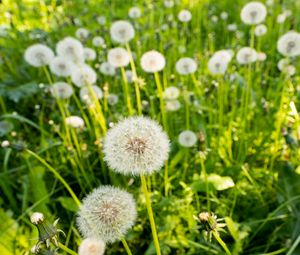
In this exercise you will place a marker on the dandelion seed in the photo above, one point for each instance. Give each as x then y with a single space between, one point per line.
75 122
107 213
153 61
246 55
82 76
61 66
118 57
70 49
185 16
137 146
253 13
91 246
38 55
289 44
185 66
121 31
187 138
61 90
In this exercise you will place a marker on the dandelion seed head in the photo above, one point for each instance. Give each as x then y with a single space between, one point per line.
118 57
106 213
107 69
86 95
153 61
172 105
187 138
38 55
61 90
253 13
121 31
61 66
135 146
82 33
246 55
185 16
91 246
98 41
113 99
171 93
70 49
83 75
185 66
134 12
89 54
260 30
75 121
289 44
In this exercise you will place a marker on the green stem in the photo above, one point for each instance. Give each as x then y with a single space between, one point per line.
126 246
220 241
206 183
126 92
66 249
161 100
57 175
150 214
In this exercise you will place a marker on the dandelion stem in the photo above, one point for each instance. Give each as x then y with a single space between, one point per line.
221 242
126 91
126 246
150 214
160 95
56 174
66 249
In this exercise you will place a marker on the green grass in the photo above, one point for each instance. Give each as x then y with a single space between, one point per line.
244 168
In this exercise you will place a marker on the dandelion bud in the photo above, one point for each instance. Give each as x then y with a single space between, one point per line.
208 220
5 144
37 218
91 246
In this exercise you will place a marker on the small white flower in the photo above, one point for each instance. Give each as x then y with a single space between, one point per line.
61 90
246 55
5 144
118 57
187 138
70 49
153 61
91 246
37 218
101 20
171 93
260 30
121 31
172 105
107 69
134 12
83 75
113 99
75 121
98 41
185 66
106 213
87 96
136 145
89 54
185 16
289 44
38 55
261 56
253 13
61 66
82 33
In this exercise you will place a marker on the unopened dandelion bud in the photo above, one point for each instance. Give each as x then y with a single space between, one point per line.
208 220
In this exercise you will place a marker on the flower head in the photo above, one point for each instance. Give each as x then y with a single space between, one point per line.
121 31
71 49
289 44
61 66
106 213
38 55
246 55
253 13
187 138
113 99
185 16
173 105
83 75
61 90
185 66
136 145
89 54
87 96
260 30
37 218
107 69
218 63
75 121
82 33
98 41
134 12
153 61
118 57
91 246
171 93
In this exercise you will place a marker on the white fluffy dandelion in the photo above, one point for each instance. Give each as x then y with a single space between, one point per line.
71 49
168 3
261 56
187 138
107 69
185 16
89 54
171 93
61 90
137 146
61 66
118 57
101 20
218 63
253 13
121 31
260 30
185 66
38 55
283 63
134 12
289 44
83 75
91 246
88 94
246 55
98 41
75 121
153 61
106 213
172 105
37 218
112 99
82 33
